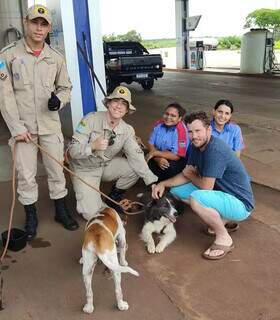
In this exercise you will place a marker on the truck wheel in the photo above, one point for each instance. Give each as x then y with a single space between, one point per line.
148 84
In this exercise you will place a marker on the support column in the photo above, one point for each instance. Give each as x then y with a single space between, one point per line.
71 55
97 51
182 35
79 20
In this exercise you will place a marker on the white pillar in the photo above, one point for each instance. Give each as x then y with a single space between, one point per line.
97 50
71 55
182 39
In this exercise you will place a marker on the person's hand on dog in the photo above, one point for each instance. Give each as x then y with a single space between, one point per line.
157 190
99 144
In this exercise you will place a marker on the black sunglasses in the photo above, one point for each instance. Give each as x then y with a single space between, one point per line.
112 138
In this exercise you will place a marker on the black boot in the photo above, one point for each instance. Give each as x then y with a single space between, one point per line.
117 195
63 216
31 221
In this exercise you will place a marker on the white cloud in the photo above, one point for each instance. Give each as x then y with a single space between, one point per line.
224 17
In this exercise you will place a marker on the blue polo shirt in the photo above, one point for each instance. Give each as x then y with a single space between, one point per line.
231 135
174 139
219 161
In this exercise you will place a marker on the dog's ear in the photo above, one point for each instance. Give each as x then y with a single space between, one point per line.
179 204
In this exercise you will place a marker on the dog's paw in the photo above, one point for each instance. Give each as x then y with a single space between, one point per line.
123 305
88 308
151 248
81 260
159 248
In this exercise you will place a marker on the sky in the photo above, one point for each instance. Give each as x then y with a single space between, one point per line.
155 19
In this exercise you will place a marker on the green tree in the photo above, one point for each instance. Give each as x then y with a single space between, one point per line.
131 35
110 37
231 42
263 18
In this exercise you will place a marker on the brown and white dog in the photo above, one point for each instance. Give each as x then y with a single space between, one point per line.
160 216
102 233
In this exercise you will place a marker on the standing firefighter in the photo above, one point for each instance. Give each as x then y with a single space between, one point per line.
34 85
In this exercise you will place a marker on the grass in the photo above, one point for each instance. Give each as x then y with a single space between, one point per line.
169 43
159 43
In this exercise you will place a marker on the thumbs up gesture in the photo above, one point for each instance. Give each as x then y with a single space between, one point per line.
53 103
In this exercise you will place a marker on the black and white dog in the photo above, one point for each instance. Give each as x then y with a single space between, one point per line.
160 216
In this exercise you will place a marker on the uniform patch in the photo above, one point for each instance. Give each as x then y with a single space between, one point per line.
81 126
3 76
41 10
2 64
182 144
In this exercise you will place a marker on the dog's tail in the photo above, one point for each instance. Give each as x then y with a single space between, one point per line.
116 267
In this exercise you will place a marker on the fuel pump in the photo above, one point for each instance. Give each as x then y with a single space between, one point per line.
196 55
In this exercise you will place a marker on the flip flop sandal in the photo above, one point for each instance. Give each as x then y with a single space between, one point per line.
214 246
230 226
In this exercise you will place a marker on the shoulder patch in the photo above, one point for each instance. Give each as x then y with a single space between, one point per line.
2 64
11 45
81 126
182 144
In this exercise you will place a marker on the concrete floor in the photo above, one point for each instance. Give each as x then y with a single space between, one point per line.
44 281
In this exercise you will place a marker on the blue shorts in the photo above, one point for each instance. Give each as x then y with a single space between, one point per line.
228 206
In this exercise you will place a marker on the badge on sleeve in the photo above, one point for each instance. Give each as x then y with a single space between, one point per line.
182 144
81 127
3 74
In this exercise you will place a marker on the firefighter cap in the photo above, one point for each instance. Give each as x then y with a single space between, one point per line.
39 11
121 92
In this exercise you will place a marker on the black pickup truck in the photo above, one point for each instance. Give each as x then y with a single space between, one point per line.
128 61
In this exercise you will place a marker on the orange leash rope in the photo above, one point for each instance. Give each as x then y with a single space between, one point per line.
10 224
13 204
124 204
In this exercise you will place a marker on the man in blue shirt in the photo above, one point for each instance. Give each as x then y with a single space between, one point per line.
214 183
